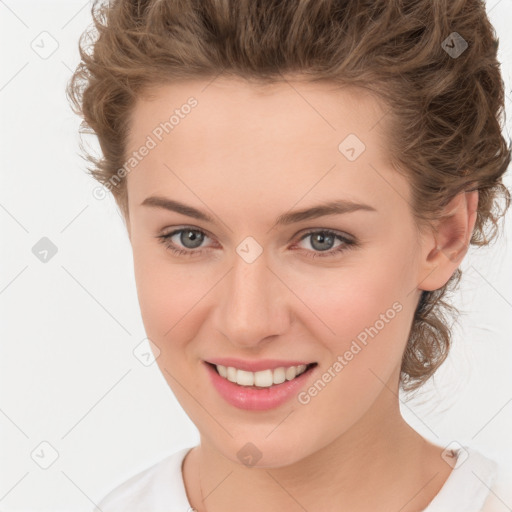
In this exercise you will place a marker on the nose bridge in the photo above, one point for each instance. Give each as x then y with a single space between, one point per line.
251 308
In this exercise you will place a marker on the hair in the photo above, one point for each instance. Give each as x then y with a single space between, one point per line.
444 109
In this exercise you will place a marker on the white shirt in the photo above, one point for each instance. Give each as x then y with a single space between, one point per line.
476 485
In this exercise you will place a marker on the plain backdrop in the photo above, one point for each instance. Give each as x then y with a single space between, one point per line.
79 412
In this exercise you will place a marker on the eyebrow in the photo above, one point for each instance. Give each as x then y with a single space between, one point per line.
327 208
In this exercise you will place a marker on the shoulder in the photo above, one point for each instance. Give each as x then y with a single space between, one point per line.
500 493
157 488
476 484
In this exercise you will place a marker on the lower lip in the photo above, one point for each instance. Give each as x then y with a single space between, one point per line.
257 399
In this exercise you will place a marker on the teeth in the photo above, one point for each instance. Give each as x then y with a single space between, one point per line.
231 374
262 379
244 378
291 373
279 375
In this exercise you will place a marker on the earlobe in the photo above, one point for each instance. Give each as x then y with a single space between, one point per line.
445 249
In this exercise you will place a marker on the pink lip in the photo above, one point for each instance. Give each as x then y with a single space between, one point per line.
256 366
257 399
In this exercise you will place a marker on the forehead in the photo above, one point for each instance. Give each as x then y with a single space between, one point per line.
326 111
265 141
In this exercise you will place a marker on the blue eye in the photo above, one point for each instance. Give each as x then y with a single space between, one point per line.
193 238
187 235
328 237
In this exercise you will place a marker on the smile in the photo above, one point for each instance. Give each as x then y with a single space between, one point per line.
261 385
261 379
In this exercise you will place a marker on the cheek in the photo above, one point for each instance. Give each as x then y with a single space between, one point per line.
170 296
348 302
365 317
371 321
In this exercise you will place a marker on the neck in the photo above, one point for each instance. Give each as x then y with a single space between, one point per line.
380 463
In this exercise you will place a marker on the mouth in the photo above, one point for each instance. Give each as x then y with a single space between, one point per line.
261 379
272 385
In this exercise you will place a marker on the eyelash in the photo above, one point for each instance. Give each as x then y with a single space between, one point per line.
346 245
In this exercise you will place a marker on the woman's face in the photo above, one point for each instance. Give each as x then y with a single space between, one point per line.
256 285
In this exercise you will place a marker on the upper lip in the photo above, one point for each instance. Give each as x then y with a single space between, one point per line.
255 366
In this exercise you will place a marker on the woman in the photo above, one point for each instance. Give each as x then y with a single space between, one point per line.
300 182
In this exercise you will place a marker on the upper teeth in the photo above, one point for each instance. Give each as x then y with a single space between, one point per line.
262 379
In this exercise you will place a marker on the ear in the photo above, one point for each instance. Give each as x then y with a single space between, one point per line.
444 247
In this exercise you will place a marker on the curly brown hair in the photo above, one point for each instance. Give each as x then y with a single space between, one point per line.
432 64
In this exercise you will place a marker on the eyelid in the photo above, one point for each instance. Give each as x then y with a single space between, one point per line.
176 229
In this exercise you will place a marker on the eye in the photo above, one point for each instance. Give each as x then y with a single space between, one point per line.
322 242
188 242
190 238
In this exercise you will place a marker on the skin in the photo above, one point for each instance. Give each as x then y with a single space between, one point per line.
245 155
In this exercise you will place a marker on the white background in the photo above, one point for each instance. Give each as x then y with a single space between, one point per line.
68 375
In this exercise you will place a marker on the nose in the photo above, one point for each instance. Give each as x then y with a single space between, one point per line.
251 304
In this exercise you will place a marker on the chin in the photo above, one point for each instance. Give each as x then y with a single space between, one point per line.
265 453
